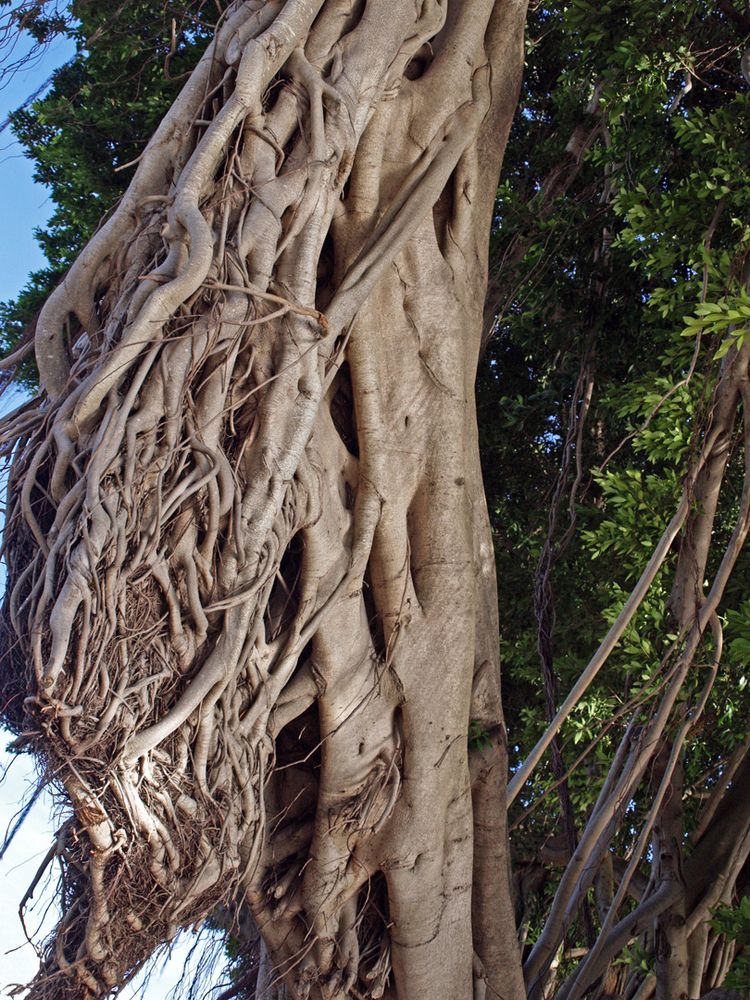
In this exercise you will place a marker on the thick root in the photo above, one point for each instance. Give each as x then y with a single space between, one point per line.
244 576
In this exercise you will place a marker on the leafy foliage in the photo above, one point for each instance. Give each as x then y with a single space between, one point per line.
622 231
734 922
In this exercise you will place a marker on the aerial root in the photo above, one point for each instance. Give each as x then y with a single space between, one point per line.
185 517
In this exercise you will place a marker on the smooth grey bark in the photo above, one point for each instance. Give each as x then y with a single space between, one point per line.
251 566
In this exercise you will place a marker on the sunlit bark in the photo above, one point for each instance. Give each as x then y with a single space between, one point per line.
252 575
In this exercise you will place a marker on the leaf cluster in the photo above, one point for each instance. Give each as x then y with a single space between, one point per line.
620 248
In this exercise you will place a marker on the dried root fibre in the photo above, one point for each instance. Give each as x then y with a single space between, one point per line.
251 607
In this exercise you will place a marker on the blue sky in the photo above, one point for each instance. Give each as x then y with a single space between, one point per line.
25 205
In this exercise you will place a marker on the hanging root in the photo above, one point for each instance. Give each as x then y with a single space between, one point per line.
229 602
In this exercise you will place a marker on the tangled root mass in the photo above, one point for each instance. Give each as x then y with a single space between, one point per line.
251 602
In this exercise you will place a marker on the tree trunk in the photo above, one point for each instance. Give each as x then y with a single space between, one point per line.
251 568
